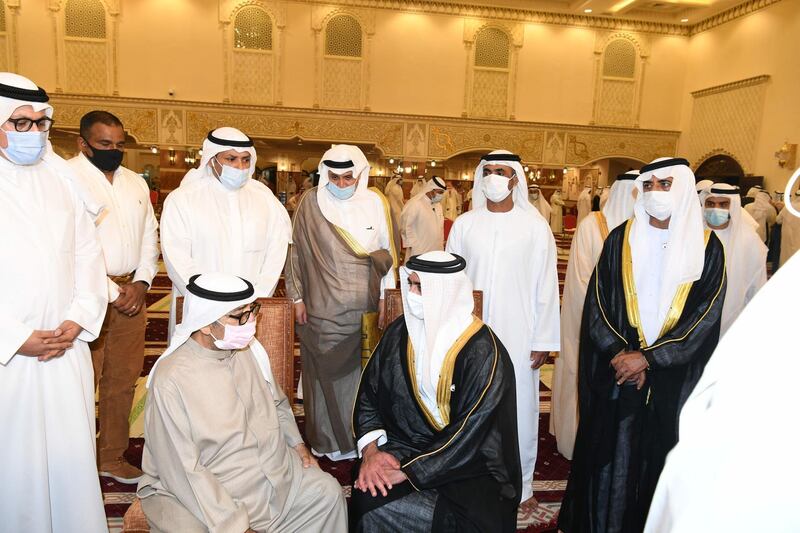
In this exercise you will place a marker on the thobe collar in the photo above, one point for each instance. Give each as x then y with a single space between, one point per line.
207 353
97 172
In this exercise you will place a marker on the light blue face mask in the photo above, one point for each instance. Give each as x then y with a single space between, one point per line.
342 193
232 178
25 147
716 216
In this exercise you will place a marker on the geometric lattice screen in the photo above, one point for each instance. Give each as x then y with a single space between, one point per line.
618 84
253 62
86 47
491 74
342 63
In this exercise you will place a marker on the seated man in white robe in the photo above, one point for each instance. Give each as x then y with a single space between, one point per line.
222 449
745 254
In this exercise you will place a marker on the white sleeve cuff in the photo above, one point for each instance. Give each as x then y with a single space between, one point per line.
376 434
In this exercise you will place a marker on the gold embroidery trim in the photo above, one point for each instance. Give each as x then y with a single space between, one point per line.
387 211
474 407
448 366
602 222
632 302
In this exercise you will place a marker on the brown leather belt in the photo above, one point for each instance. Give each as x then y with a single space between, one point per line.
122 280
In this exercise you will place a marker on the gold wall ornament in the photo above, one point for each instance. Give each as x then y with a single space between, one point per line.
786 155
171 123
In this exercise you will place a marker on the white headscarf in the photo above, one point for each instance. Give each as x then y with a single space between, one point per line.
209 297
218 141
541 204
447 310
358 164
434 184
619 206
19 91
520 192
702 185
788 193
735 236
685 254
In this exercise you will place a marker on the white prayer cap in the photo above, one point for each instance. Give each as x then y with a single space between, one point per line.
703 185
621 199
209 297
218 141
17 91
685 255
508 159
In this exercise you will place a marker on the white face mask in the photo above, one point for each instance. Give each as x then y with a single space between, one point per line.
437 198
658 204
414 302
495 187
232 178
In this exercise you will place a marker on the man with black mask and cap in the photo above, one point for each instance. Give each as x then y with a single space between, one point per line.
119 201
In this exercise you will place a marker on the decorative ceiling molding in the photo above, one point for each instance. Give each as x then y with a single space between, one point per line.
764 78
177 124
561 19
730 14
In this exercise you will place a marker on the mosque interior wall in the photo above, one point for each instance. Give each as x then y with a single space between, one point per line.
425 85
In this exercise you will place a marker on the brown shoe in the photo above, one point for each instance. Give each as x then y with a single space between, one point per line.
121 471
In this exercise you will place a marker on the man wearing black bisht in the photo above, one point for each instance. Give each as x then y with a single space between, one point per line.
435 415
650 323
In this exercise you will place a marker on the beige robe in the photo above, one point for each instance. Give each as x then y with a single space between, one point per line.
337 285
218 441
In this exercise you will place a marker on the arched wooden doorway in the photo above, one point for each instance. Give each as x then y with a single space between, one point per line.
720 168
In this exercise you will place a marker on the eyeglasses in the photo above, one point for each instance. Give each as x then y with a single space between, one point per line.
244 317
25 124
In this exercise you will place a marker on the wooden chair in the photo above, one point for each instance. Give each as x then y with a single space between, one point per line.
393 299
275 331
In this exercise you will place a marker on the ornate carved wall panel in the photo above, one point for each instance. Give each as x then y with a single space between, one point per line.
253 40
180 125
620 63
343 49
86 45
728 116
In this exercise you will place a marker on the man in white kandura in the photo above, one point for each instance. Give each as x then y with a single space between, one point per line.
222 449
584 204
537 200
745 254
704 485
421 226
557 213
511 257
53 305
128 233
221 220
583 254
604 194
762 210
452 202
394 193
790 228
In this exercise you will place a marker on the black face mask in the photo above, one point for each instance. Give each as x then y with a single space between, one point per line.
105 160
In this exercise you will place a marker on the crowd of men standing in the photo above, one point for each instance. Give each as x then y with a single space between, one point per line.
654 279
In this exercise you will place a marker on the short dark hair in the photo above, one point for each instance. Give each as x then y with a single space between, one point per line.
98 116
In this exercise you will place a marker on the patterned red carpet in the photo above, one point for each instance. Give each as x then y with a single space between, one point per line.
552 469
